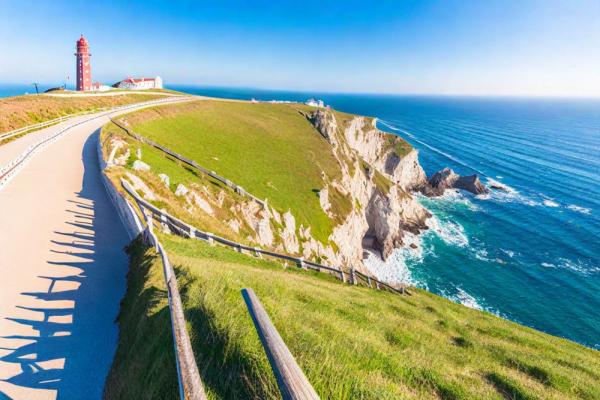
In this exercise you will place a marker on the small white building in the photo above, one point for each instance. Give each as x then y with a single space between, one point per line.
100 87
315 103
140 83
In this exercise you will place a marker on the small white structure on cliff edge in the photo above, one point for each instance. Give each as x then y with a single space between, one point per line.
140 83
315 103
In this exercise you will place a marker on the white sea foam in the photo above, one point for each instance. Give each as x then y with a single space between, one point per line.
388 125
395 268
579 209
509 253
577 266
467 300
502 186
550 203
507 194
450 232
482 254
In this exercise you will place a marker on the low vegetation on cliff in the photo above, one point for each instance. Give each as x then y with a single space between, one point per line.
19 111
352 342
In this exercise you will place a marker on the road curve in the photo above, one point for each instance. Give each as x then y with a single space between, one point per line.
62 269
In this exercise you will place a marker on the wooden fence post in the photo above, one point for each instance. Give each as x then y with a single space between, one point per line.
353 275
292 382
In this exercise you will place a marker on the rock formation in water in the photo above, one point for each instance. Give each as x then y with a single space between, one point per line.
448 179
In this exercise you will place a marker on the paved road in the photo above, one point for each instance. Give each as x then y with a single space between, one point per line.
62 270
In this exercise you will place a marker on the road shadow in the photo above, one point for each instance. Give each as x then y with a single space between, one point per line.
74 346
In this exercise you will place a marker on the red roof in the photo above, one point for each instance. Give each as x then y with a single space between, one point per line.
82 41
134 80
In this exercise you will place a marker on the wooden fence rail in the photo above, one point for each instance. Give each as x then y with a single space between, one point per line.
188 376
186 230
12 168
238 189
291 381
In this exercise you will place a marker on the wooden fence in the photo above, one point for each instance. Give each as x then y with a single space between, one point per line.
183 229
188 376
291 381
11 169
238 189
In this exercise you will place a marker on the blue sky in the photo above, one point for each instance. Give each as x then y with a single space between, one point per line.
537 47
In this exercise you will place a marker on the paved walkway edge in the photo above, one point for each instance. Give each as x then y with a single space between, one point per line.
127 215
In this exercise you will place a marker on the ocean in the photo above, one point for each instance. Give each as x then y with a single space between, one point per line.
530 253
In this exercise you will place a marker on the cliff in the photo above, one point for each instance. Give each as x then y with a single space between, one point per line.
360 177
377 177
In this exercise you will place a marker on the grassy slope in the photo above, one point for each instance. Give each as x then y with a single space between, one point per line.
160 163
352 343
20 111
269 149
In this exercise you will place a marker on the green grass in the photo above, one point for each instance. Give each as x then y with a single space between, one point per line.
269 149
351 342
178 173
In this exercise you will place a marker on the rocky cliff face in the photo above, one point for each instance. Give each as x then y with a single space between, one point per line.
377 148
377 180
373 187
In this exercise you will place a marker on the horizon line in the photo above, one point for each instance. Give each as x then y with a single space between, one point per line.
365 93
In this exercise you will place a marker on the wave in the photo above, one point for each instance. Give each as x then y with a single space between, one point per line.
579 209
395 270
450 198
550 203
466 299
577 266
451 233
432 148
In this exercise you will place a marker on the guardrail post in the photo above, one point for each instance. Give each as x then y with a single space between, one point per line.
377 285
369 280
257 253
192 232
291 381
353 275
342 276
210 239
300 263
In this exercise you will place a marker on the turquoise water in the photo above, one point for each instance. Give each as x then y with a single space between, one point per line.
530 254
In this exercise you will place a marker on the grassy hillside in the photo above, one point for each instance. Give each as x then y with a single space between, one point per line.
352 342
19 111
271 150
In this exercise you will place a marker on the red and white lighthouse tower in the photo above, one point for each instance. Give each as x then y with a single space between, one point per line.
84 69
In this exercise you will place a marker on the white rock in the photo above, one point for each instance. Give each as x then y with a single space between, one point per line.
202 203
181 190
139 185
138 154
290 240
234 224
139 165
165 179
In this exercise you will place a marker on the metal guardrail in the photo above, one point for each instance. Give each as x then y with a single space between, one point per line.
238 189
292 383
188 376
186 230
9 170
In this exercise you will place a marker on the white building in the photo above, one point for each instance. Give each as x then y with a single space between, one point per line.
315 103
100 87
140 83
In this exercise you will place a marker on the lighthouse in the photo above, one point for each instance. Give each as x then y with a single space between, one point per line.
83 67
